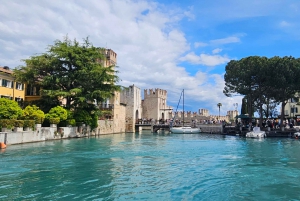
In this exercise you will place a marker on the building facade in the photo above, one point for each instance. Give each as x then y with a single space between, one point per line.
131 97
9 88
155 105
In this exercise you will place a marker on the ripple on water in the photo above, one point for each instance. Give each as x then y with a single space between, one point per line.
152 167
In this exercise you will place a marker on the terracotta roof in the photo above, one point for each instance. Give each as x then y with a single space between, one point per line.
2 69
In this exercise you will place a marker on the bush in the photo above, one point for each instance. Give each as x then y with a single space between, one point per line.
82 116
9 109
7 123
19 123
57 112
54 120
71 122
29 123
34 113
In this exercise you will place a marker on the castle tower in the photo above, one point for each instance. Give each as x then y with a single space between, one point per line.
131 97
155 104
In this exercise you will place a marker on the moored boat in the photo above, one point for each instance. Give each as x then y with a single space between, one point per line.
185 129
256 133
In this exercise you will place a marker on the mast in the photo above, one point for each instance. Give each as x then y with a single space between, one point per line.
183 105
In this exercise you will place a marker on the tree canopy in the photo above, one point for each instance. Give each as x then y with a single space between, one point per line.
71 71
263 81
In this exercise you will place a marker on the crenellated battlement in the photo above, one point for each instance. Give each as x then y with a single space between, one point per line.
156 93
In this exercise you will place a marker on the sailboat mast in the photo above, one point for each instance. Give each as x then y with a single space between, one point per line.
183 105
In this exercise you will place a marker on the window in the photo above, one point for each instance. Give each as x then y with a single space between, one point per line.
294 110
19 86
32 91
7 83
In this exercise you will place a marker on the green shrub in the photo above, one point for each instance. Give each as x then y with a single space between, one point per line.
71 122
19 123
54 120
29 123
57 112
7 123
82 116
34 113
10 109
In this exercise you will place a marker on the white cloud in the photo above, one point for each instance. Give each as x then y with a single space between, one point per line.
205 59
148 44
284 24
222 41
200 44
217 50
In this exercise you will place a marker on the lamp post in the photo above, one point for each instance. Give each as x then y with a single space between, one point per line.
219 105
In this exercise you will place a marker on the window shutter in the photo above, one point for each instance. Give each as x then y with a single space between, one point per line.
22 86
12 84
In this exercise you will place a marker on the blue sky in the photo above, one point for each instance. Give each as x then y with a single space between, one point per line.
171 45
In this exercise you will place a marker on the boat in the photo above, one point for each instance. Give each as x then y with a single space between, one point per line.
256 133
296 135
183 129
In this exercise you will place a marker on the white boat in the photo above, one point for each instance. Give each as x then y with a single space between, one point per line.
256 133
183 129
297 135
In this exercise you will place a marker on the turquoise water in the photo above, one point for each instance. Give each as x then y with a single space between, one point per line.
152 167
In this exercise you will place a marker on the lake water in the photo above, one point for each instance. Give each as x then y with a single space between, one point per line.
152 167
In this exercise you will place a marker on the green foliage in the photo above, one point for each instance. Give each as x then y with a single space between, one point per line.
7 123
32 112
29 123
19 123
94 121
9 109
54 120
71 122
57 112
73 71
105 113
263 80
82 116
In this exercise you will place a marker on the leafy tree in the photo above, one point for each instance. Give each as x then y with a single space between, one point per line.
247 76
57 112
284 79
33 113
9 109
72 71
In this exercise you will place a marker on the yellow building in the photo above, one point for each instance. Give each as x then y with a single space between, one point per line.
9 88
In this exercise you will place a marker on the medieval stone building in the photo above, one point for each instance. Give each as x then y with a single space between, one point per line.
155 105
131 98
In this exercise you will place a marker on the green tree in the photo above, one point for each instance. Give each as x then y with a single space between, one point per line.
32 112
9 109
72 71
248 77
284 80
57 112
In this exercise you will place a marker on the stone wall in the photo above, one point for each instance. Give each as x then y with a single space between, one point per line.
40 134
155 104
131 97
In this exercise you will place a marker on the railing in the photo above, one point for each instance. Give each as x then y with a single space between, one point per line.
106 106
